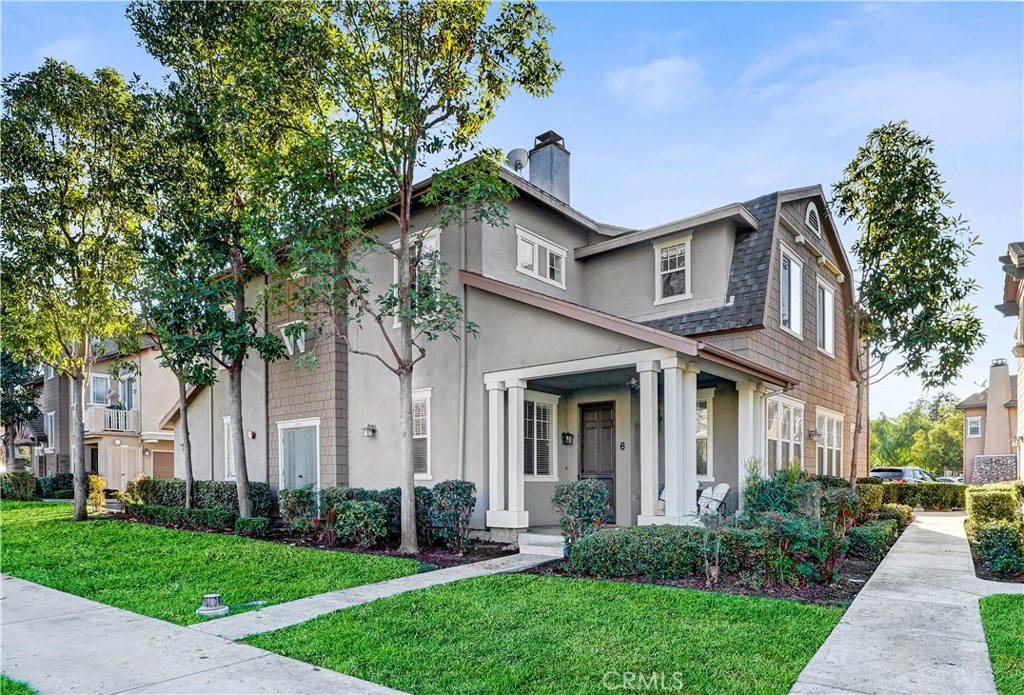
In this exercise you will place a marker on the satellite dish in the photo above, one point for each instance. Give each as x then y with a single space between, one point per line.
517 159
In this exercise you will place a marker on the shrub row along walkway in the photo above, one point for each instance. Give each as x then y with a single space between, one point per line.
915 627
294 612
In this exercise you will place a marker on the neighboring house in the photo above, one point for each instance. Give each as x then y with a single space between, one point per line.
665 357
123 437
990 425
1013 306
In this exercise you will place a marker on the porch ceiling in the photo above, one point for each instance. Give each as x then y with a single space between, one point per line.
608 378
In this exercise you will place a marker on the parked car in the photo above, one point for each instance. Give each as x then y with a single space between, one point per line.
948 479
902 474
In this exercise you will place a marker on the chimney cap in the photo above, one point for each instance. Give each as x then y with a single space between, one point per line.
548 138
999 362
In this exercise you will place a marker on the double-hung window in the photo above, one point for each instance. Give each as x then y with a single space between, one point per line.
425 256
421 434
229 450
99 387
830 448
126 387
785 433
50 429
974 426
540 258
826 318
540 422
790 292
705 460
672 270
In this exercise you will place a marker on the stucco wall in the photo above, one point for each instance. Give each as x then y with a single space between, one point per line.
973 446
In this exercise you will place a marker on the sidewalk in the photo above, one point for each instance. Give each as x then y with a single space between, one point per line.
59 643
294 612
915 627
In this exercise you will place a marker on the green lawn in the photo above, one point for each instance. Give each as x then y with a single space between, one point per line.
528 633
163 573
1003 618
13 687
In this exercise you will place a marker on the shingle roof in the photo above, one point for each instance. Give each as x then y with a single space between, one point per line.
975 400
748 280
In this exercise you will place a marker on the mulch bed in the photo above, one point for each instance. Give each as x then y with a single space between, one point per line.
853 574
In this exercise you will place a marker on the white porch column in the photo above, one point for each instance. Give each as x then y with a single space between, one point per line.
649 444
680 441
496 447
746 430
507 450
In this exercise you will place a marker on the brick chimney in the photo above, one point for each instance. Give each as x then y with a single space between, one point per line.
997 415
549 165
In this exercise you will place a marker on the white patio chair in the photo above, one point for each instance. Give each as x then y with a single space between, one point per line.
712 499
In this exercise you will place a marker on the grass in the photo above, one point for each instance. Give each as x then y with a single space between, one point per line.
13 687
1003 615
163 573
530 633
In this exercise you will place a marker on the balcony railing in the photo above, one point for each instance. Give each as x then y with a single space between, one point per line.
101 419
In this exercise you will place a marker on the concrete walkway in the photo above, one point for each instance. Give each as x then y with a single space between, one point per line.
915 627
282 615
59 643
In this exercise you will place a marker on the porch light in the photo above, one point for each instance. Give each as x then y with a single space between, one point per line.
370 431
567 438
815 436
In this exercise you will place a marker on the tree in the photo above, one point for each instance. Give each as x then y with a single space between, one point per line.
940 448
71 223
19 398
928 434
911 301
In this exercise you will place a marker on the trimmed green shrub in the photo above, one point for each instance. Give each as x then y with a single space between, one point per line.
873 539
253 527
580 505
209 494
452 508
869 501
941 495
901 493
900 513
363 523
838 509
999 544
49 484
217 519
391 498
992 503
829 481
18 487
797 550
298 507
869 480
63 495
784 491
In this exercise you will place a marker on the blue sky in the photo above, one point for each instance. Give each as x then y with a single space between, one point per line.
674 108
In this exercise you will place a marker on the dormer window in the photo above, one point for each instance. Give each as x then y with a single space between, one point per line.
672 270
812 218
540 258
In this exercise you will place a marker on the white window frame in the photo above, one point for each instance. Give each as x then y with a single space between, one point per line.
794 405
430 237
92 389
424 395
972 420
553 249
709 396
295 424
829 348
812 207
294 344
796 298
50 371
840 430
49 427
126 391
551 400
658 246
229 451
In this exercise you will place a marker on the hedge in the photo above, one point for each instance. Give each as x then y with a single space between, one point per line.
63 495
872 539
252 526
869 501
999 544
943 496
50 484
900 513
209 494
216 519
993 503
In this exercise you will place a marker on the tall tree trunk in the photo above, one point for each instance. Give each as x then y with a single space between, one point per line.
186 444
409 543
862 375
238 441
78 445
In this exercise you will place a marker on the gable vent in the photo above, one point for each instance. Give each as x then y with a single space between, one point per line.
811 218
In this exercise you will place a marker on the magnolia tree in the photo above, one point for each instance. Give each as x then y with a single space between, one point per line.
911 305
72 154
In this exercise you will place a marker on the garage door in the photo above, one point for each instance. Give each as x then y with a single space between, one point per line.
163 464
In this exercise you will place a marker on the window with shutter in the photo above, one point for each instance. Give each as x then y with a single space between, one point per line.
539 433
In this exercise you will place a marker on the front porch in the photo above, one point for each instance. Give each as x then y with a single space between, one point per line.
652 424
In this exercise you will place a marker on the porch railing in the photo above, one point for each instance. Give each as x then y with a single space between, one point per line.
101 419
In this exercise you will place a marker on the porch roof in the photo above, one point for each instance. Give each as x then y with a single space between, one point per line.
616 324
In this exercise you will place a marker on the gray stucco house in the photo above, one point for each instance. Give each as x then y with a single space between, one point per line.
667 356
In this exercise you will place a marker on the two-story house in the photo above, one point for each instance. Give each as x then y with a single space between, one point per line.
990 428
1012 306
123 436
657 360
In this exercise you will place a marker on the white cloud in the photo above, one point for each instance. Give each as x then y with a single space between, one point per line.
73 49
659 84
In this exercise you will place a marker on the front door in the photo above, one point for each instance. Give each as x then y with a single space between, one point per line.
299 456
94 460
597 450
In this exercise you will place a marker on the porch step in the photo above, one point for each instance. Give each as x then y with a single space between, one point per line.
541 544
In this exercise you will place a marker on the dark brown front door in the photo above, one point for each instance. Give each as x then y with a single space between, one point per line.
597 450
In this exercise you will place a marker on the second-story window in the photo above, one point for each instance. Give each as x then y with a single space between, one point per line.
790 292
974 426
99 388
672 270
540 258
826 319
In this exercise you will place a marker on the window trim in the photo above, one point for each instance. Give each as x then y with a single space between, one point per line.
92 378
812 206
840 425
830 318
424 395
426 235
685 240
523 234
552 400
293 343
792 403
796 299
296 424
126 391
228 442
967 427
709 396
50 372
49 426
